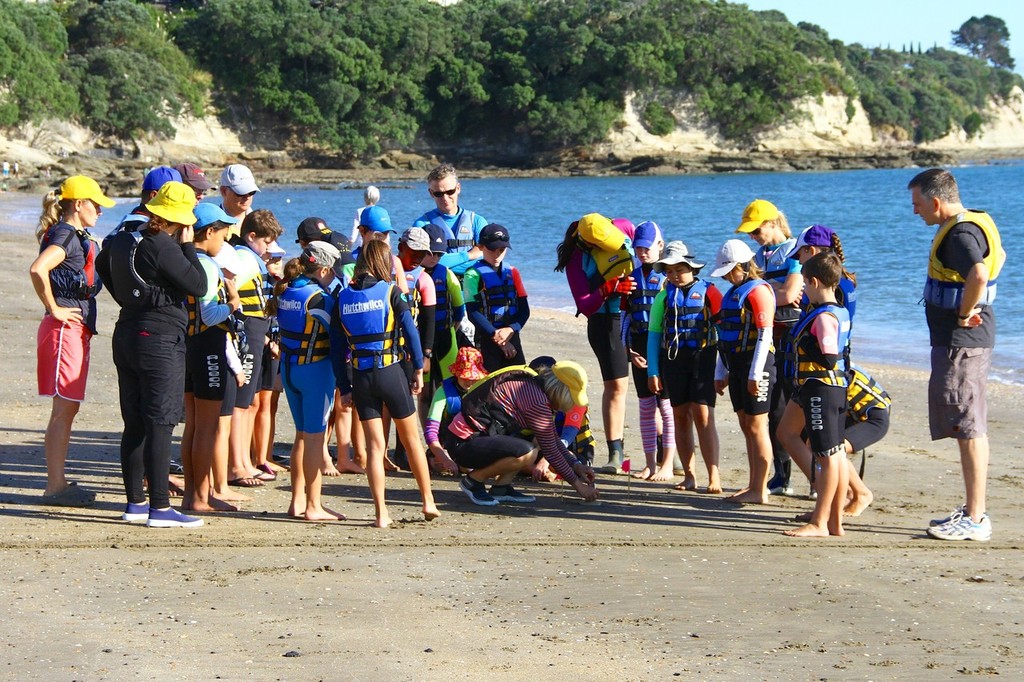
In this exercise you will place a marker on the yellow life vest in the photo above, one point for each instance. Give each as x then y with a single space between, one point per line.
864 394
944 286
607 245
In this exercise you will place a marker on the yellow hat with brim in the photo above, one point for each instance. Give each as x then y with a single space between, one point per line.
81 187
575 379
175 203
756 213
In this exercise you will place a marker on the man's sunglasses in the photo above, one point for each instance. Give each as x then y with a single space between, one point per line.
441 192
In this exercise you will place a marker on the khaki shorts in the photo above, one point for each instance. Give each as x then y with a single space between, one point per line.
956 392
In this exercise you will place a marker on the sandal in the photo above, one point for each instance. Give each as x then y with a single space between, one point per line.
262 475
246 482
72 496
268 471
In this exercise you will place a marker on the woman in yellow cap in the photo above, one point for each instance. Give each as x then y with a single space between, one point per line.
64 278
149 273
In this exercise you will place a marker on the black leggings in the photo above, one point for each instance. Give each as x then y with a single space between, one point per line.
151 386
604 331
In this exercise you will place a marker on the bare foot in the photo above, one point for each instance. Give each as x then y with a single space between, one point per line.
857 505
275 466
430 512
297 509
644 474
748 496
807 531
213 505
686 485
323 514
329 469
663 473
347 466
231 496
388 466
804 518
713 489
382 522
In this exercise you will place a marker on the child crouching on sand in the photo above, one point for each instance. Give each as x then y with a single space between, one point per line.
817 360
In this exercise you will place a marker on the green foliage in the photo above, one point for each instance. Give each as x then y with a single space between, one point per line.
972 124
32 43
985 38
658 119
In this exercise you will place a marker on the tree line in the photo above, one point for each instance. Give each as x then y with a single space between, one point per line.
356 76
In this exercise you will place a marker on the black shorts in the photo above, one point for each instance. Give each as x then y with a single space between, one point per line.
256 329
861 434
824 416
372 389
481 451
207 375
494 357
271 368
638 343
742 401
690 377
604 331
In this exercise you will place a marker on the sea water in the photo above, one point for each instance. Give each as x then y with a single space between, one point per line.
885 244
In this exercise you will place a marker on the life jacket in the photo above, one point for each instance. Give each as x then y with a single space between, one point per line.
452 399
194 306
584 437
462 230
498 291
736 330
412 278
865 394
776 269
373 329
642 298
846 296
127 285
305 331
687 320
255 292
804 360
133 222
443 309
944 287
485 414
80 285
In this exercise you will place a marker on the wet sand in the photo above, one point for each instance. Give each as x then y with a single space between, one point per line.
651 584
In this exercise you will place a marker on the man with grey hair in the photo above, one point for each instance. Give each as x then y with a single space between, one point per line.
965 259
461 227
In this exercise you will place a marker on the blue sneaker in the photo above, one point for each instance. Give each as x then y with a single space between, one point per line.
964 529
506 493
136 513
171 518
476 492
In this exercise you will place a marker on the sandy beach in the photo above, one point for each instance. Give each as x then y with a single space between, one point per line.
650 584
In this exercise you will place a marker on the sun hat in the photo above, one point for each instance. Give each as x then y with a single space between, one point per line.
468 365
415 238
575 379
207 214
174 203
438 238
677 252
81 187
646 234
323 254
312 229
494 236
194 176
376 219
158 177
815 235
732 253
274 250
228 261
238 179
756 212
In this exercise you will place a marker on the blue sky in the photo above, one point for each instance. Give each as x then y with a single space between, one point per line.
894 23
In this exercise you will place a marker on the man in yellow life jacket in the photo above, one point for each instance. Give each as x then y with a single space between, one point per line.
965 260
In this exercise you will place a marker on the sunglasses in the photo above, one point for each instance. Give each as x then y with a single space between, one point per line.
244 196
755 232
441 192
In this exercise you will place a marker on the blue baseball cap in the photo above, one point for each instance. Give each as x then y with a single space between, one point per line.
158 177
646 234
207 214
815 235
437 237
376 219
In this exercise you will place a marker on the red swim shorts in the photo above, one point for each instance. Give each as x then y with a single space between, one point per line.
63 358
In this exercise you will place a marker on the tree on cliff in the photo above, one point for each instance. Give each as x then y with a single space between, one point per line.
985 38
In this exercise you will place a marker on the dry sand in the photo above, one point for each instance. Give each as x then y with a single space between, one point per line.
649 585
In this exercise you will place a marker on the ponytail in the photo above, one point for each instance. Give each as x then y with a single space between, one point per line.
53 210
837 247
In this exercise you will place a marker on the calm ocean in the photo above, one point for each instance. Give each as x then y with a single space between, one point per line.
886 245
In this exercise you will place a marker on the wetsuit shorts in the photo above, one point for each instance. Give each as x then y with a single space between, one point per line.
861 434
690 377
372 389
256 329
604 331
309 389
742 401
482 450
207 375
824 417
271 368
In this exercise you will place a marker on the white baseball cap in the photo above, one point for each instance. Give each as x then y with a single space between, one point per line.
732 253
238 179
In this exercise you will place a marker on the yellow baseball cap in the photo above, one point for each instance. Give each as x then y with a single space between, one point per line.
81 187
575 379
757 211
174 203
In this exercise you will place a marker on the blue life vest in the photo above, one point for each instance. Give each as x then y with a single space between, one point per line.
443 310
66 282
804 360
642 298
305 330
687 320
463 239
776 269
736 330
373 329
846 296
498 291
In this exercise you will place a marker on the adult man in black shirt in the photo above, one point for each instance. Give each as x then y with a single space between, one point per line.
966 257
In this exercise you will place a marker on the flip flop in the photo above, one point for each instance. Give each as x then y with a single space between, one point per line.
246 482
265 476
72 496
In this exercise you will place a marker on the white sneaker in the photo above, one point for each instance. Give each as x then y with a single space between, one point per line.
964 529
953 517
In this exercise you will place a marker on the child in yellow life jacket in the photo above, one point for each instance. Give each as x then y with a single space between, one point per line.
496 301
